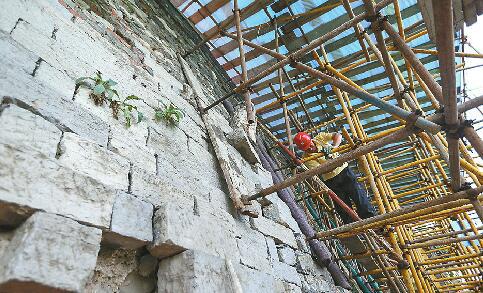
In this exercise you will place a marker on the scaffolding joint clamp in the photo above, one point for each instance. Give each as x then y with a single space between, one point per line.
357 143
293 60
454 130
407 89
376 17
402 265
412 118
467 123
360 35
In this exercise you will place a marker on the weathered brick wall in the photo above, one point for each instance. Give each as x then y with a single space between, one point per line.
87 204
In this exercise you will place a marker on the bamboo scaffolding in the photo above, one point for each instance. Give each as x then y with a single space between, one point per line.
462 195
443 15
417 200
453 233
246 94
303 51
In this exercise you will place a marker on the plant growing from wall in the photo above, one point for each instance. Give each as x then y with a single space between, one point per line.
127 109
171 114
103 92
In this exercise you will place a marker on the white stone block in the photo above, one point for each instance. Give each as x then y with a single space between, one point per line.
15 59
318 284
26 130
32 181
280 233
279 212
287 255
156 189
306 265
285 287
193 272
253 249
254 281
131 222
286 273
272 250
49 252
131 143
185 225
17 83
88 158
55 79
41 14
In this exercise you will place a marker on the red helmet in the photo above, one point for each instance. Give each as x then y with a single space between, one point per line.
302 140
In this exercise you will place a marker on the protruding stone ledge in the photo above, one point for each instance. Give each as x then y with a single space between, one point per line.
49 253
131 222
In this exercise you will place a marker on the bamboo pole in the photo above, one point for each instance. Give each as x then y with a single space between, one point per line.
329 165
246 94
423 73
465 194
398 112
443 16
305 50
436 236
444 241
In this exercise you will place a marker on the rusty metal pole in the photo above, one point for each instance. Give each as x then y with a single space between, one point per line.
470 104
246 93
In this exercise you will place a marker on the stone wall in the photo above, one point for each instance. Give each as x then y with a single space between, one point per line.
90 205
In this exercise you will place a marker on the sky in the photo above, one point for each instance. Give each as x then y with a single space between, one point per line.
474 77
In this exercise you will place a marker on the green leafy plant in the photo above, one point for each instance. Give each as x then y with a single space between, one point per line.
103 92
170 114
127 109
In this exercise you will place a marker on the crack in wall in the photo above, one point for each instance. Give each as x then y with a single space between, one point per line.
59 152
129 177
156 159
16 24
109 138
196 209
7 100
3 107
54 32
148 136
37 65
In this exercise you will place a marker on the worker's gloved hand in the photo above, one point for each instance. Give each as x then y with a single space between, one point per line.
326 149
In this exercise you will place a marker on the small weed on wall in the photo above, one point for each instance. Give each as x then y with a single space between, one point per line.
103 92
171 114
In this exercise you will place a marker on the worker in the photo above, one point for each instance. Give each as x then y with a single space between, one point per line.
342 181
